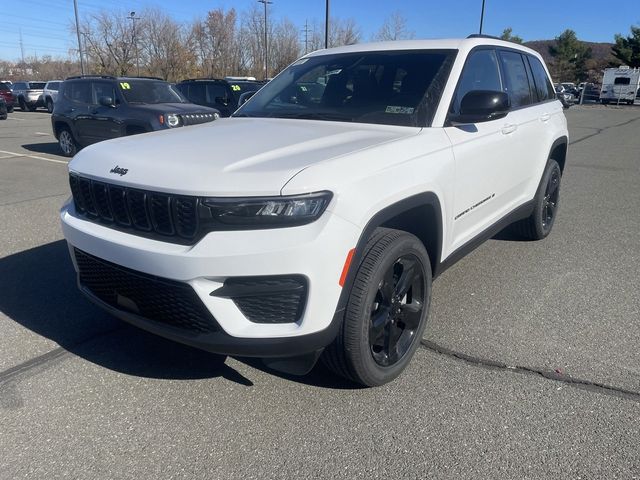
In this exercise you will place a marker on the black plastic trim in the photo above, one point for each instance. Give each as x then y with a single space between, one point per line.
519 213
223 343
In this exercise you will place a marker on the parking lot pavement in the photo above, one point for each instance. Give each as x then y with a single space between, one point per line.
84 396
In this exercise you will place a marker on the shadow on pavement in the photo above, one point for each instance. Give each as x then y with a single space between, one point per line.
51 148
38 290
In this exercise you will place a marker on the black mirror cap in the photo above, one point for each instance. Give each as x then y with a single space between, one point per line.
482 106
106 102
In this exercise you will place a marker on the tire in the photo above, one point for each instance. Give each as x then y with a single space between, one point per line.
67 143
23 105
546 203
10 109
385 317
605 102
32 108
49 105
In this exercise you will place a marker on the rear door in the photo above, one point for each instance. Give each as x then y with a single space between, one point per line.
527 119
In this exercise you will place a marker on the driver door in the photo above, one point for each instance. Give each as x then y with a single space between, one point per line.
482 151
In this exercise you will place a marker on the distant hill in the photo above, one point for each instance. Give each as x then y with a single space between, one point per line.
599 51
601 58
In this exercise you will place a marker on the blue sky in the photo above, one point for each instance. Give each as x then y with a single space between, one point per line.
45 23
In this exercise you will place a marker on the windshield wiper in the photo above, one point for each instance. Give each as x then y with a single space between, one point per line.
340 117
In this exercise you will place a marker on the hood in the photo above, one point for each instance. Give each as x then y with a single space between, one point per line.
172 108
228 157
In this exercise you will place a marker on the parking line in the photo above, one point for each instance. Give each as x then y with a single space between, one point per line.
35 157
43 133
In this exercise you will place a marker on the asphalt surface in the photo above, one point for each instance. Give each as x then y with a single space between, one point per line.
529 367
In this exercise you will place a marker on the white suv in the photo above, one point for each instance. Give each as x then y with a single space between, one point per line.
313 220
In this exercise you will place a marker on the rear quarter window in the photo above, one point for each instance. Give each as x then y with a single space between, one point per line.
543 85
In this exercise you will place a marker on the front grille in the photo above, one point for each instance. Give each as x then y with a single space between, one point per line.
277 299
157 299
148 213
196 118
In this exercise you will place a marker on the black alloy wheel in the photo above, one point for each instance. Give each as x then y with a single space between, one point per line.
545 209
397 310
386 311
550 200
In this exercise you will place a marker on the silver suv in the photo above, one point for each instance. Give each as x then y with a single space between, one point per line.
50 94
28 95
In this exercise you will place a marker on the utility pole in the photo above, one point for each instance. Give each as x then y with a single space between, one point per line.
75 9
21 50
133 18
306 36
266 39
326 25
481 17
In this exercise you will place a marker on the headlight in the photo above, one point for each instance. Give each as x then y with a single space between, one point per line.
264 212
173 120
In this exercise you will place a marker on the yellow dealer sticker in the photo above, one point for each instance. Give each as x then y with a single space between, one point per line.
125 86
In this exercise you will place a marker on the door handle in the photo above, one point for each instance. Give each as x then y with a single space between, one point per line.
545 117
507 129
69 110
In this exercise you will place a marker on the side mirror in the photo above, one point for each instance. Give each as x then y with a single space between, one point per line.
482 106
106 102
245 96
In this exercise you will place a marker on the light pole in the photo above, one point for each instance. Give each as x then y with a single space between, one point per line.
75 9
133 18
481 17
326 25
266 39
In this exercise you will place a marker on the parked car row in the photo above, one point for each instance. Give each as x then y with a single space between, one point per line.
89 109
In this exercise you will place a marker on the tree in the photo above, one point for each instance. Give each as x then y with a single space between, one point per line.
627 49
394 28
507 35
569 57
162 46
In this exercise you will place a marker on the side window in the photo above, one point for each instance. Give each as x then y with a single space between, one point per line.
102 89
543 84
516 80
79 92
480 72
216 90
197 93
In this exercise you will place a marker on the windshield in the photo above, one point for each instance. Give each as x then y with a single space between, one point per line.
36 85
146 91
386 87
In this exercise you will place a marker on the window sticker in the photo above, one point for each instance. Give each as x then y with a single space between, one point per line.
398 109
125 86
235 88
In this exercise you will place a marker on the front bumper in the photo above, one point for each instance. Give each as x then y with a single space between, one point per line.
315 252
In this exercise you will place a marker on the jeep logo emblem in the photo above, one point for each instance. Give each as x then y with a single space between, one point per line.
120 171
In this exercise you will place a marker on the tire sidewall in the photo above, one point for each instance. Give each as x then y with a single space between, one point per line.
543 232
74 148
362 360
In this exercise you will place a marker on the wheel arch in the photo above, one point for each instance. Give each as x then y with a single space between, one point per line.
420 215
558 151
60 125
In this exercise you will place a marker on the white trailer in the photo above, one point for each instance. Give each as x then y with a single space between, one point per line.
620 85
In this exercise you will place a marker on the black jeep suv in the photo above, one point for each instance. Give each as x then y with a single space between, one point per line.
94 108
224 95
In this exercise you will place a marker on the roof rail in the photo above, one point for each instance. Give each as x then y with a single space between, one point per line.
201 79
482 35
89 76
141 76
